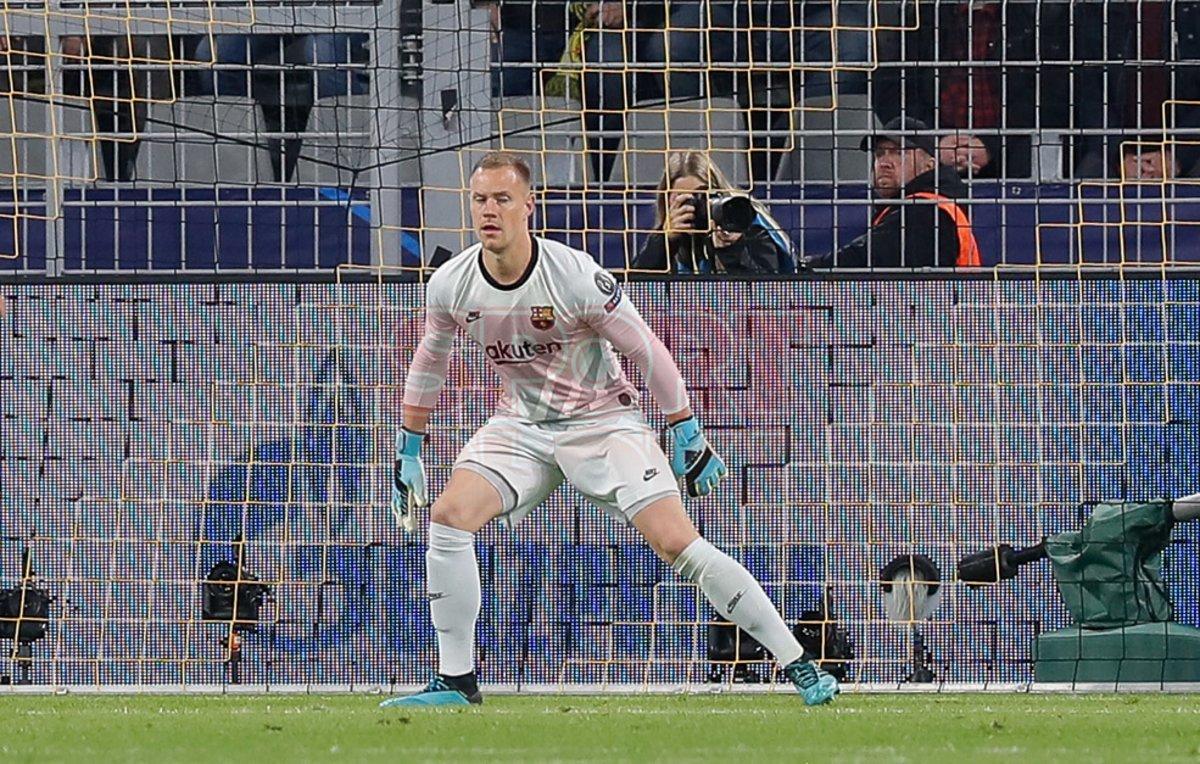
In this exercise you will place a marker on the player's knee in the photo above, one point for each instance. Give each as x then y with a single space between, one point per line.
666 528
451 512
461 511
670 549
468 503
668 546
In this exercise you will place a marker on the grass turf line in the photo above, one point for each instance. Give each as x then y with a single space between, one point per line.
730 729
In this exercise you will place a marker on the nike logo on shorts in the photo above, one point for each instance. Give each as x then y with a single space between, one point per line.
435 596
649 473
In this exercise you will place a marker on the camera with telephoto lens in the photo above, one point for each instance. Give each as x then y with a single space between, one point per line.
234 595
732 213
24 618
24 612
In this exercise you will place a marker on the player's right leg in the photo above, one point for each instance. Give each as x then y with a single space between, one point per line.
469 502
505 470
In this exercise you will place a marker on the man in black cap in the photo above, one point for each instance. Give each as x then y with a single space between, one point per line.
918 220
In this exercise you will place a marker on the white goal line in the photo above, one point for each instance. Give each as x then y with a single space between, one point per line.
576 690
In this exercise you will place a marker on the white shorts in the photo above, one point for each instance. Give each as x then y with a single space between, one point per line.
613 459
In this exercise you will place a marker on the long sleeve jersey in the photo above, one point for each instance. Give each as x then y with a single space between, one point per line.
550 336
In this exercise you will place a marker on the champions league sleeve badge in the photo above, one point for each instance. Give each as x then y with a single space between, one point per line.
609 286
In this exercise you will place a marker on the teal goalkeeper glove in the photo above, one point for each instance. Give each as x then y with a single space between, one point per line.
694 459
408 479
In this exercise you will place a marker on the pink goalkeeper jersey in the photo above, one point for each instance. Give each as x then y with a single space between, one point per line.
550 336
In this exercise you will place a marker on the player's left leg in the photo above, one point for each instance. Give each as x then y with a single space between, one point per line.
735 594
617 463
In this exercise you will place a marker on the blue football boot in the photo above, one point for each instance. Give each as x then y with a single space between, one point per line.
440 692
813 684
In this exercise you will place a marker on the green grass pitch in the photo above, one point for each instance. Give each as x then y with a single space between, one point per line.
719 728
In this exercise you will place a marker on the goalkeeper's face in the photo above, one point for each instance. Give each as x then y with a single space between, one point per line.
501 203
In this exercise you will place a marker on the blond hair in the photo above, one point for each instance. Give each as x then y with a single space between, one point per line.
699 165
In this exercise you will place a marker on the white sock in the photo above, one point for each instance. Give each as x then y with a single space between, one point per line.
737 596
452 580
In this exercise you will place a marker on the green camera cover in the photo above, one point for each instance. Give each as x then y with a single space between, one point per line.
1108 571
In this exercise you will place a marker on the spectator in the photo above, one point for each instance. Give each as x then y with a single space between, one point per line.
1148 160
528 32
285 75
1184 115
120 76
919 221
1112 78
785 43
973 93
687 240
615 40
972 98
612 38
605 44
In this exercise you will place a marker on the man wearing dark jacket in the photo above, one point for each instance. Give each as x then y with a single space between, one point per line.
920 220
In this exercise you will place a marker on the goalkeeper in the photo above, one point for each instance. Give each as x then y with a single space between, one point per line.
548 318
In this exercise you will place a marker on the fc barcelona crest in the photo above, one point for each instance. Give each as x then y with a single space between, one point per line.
542 317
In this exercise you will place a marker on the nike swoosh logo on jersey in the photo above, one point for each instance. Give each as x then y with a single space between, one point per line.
473 316
734 602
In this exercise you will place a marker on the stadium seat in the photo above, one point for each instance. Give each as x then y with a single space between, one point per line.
1048 157
548 130
167 154
174 155
339 131
22 151
164 154
653 132
817 154
76 154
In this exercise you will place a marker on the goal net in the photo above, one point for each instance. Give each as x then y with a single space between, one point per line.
196 425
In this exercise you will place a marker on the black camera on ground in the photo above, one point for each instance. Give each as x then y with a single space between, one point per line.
233 595
24 618
824 640
727 644
732 213
24 612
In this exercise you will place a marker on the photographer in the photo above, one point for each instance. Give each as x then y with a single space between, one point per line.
704 225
